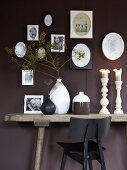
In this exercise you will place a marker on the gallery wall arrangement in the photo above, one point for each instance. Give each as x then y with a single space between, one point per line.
39 51
88 32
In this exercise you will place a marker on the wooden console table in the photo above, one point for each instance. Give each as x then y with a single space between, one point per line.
41 121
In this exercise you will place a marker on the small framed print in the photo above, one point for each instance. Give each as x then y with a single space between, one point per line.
81 57
27 77
81 24
57 43
32 32
32 104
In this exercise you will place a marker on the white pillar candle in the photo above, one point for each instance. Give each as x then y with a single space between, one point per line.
104 73
118 74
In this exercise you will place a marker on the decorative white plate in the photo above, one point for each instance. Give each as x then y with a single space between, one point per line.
20 49
113 46
81 55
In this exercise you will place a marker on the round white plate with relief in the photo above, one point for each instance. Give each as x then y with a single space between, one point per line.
20 49
113 46
48 20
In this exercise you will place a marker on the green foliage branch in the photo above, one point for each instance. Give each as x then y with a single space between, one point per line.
32 59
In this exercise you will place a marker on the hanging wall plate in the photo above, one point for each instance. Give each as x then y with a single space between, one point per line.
113 46
48 20
20 49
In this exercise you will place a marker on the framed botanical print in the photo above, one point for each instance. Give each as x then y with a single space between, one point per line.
81 24
80 53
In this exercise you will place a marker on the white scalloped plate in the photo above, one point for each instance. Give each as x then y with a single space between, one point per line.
113 46
20 49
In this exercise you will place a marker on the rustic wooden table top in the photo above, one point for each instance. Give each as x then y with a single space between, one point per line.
21 117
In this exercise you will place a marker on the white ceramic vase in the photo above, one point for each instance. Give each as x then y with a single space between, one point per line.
81 104
60 97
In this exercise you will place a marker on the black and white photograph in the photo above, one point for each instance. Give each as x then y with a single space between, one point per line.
32 32
32 104
27 77
57 43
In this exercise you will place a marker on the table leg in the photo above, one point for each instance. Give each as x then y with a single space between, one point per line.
126 131
40 138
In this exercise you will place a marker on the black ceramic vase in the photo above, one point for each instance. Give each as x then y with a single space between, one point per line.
48 107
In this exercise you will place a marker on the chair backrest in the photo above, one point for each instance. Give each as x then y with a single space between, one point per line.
87 129
103 126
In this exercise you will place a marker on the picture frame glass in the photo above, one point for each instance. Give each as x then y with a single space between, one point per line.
27 77
81 54
32 32
32 104
57 43
81 24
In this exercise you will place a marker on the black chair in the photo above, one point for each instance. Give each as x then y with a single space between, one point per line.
89 133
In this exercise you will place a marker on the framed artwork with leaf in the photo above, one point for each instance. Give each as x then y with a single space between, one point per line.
81 24
81 55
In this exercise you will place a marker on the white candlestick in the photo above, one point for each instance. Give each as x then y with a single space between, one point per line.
118 106
104 101
118 74
104 73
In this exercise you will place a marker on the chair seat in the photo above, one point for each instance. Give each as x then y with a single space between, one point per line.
75 150
78 146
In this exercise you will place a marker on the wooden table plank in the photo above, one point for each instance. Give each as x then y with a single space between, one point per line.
21 117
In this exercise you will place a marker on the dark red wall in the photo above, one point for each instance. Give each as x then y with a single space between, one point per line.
17 140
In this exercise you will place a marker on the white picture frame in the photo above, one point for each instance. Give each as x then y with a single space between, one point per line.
81 24
32 32
57 42
27 77
32 104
